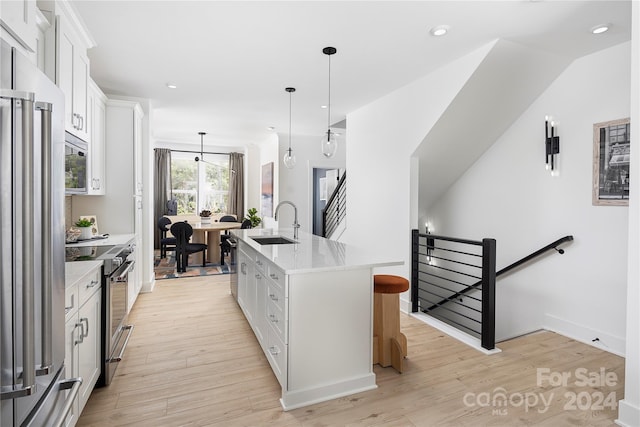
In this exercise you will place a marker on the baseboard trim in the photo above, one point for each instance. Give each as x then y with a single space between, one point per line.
628 414
454 333
594 338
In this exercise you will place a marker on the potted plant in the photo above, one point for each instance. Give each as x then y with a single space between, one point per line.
85 228
205 216
252 215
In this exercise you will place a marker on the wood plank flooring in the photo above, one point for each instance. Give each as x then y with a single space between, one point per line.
193 361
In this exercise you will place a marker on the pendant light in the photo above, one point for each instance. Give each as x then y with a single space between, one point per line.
201 158
289 158
329 141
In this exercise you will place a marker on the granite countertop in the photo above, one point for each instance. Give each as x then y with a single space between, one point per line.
114 239
314 253
74 271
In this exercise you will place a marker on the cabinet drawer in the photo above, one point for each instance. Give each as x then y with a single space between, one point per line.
277 276
88 285
261 264
276 314
277 357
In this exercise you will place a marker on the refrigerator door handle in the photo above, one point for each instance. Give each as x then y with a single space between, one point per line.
46 366
25 101
73 384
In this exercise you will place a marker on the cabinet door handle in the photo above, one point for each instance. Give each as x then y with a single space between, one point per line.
81 340
258 276
274 276
69 308
273 297
86 333
274 350
81 125
273 318
93 284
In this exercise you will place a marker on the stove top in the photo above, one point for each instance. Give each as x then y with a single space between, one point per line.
86 253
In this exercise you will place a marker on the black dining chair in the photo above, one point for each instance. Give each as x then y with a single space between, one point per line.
166 243
225 246
182 231
226 235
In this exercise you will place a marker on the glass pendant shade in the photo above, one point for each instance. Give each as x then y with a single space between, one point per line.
329 144
289 159
329 141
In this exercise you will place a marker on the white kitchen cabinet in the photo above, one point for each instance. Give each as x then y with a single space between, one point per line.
83 300
314 324
72 77
96 183
18 19
119 210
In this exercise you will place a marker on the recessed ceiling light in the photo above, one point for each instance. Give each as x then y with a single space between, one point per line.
323 106
599 29
440 30
171 86
271 128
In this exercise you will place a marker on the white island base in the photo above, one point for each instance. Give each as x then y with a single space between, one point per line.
330 337
310 306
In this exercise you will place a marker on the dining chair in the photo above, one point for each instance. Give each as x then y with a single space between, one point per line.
225 246
183 232
226 235
166 243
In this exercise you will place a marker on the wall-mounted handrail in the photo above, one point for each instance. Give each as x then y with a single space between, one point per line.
508 268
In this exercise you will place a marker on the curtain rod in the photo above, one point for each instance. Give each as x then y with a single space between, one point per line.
194 152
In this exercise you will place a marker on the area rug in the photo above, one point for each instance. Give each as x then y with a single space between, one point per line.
165 268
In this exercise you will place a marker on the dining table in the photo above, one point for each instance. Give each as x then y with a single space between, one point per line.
209 233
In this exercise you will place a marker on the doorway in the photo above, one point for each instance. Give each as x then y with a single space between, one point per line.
324 183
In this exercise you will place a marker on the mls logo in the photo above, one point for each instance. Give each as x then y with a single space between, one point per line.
501 411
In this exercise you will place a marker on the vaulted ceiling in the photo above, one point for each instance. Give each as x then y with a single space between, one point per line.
231 60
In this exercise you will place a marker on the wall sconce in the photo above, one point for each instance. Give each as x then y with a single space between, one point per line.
552 144
430 244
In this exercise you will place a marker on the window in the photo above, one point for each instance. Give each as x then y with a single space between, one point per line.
197 185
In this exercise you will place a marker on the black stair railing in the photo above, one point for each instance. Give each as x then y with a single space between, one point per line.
441 276
336 208
442 266
510 267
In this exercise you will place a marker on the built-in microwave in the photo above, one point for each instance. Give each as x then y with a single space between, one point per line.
75 165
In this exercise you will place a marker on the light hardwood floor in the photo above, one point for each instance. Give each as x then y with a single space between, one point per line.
193 361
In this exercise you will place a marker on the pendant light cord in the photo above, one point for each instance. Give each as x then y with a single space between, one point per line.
329 104
290 122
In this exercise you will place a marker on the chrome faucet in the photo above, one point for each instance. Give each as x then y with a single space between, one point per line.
296 225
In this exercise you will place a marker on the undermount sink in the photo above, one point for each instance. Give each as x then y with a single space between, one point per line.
273 240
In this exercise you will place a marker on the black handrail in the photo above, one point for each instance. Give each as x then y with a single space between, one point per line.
508 268
332 215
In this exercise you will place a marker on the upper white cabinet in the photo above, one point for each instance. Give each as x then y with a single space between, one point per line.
97 116
18 19
72 76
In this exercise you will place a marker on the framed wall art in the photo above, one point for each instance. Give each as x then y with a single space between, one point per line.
611 157
266 196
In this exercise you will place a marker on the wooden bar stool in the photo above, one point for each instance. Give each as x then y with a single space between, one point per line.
389 344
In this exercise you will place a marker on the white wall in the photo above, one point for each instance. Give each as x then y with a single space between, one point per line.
508 195
382 137
629 407
296 185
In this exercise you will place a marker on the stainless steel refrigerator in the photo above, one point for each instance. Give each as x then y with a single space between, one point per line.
34 390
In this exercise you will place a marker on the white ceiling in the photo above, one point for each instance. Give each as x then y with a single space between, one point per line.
232 60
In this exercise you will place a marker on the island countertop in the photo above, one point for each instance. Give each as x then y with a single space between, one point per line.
314 253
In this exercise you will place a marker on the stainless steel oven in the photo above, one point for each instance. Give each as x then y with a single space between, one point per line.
117 263
115 293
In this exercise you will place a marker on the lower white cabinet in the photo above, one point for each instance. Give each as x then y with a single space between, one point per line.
83 301
315 327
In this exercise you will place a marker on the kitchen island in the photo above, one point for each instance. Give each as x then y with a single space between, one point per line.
309 302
